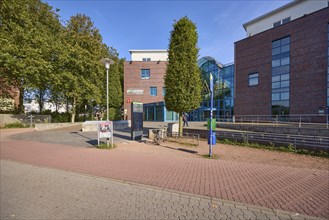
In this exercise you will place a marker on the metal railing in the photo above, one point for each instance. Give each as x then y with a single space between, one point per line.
315 143
305 120
26 119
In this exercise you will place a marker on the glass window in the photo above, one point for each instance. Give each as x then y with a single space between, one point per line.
285 61
275 78
285 84
275 96
280 70
253 79
153 91
276 24
285 41
145 73
276 44
146 59
163 91
285 48
285 77
286 20
284 95
275 85
276 51
275 63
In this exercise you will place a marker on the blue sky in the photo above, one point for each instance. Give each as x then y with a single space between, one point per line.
138 24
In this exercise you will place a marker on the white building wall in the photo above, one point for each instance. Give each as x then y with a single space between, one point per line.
154 55
294 10
33 106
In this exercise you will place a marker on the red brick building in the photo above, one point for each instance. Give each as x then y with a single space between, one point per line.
283 69
143 78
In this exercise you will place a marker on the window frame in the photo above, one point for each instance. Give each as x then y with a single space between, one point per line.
152 90
252 77
145 77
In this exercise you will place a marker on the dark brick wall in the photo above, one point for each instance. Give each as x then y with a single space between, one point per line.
132 80
308 66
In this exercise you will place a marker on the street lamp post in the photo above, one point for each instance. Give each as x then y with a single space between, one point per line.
107 62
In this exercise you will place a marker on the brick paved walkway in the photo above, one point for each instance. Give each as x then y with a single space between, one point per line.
303 191
29 192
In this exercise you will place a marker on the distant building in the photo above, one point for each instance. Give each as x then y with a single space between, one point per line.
282 67
144 82
143 78
33 106
223 102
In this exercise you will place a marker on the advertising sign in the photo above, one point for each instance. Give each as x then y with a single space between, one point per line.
136 121
105 130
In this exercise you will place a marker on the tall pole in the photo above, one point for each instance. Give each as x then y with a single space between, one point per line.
107 93
211 107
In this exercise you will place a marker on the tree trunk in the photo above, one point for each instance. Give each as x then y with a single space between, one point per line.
20 107
41 102
180 125
73 109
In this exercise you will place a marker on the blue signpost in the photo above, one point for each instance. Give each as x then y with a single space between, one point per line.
210 136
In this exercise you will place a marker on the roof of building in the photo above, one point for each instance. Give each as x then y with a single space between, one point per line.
205 59
150 50
264 16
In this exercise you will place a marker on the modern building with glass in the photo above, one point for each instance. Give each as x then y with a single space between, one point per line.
223 95
223 101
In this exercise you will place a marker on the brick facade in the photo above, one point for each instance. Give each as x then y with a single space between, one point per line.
308 66
133 82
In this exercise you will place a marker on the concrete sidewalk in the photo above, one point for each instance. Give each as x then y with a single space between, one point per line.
298 190
30 192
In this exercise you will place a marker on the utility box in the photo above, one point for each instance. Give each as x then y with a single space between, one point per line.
136 120
213 138
173 127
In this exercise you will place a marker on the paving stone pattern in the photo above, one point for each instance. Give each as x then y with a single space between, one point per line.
30 192
299 190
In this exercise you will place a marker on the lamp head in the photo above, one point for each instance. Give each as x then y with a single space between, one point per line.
107 62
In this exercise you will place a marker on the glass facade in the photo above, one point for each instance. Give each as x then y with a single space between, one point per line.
157 112
223 90
223 95
280 76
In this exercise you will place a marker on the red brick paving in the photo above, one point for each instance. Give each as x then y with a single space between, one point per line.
305 191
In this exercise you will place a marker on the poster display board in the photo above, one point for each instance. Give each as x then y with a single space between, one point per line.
105 130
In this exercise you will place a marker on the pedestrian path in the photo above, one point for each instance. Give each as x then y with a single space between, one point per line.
31 192
299 190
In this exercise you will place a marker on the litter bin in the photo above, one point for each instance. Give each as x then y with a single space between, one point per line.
213 138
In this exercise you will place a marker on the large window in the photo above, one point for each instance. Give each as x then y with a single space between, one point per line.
253 79
145 73
281 76
153 91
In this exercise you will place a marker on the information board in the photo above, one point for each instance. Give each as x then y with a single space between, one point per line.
136 120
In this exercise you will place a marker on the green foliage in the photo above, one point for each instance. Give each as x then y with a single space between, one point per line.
290 148
104 146
55 62
183 79
214 156
16 125
29 32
